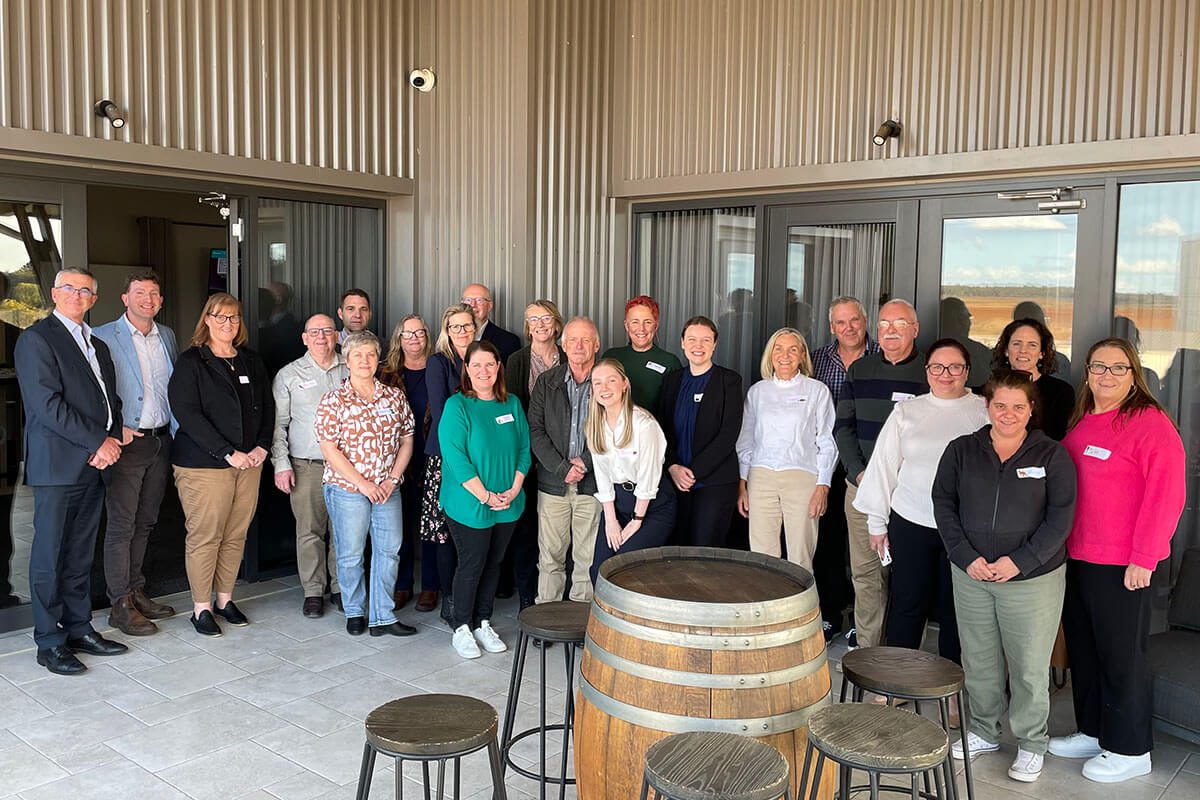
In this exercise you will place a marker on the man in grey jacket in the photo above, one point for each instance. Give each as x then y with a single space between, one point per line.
568 513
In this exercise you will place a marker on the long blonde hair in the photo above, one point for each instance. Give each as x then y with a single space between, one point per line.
767 369
444 345
594 426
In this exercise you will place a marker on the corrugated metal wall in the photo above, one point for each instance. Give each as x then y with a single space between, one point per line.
711 86
310 82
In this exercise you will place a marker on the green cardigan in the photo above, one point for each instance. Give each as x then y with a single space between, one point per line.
487 439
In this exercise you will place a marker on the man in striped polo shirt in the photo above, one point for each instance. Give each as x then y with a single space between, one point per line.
873 385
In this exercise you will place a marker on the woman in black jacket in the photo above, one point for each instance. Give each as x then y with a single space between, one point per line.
221 396
700 411
1004 500
1028 345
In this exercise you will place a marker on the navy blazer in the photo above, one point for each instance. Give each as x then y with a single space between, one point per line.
64 406
718 423
506 342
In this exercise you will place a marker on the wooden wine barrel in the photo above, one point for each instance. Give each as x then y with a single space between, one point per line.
696 639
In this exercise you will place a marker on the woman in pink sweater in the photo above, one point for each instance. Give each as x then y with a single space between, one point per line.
1130 463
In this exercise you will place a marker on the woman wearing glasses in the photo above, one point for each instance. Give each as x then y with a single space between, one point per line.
221 397
404 369
1028 345
894 494
1131 463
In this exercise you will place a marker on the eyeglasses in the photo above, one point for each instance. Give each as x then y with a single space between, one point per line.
317 331
461 327
419 333
473 300
896 324
82 292
227 318
544 319
1119 370
936 370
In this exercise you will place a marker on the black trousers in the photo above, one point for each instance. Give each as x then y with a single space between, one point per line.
410 498
135 488
66 520
920 588
519 569
1107 628
480 551
703 515
831 559
656 527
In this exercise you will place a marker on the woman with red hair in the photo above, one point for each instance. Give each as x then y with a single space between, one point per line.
645 363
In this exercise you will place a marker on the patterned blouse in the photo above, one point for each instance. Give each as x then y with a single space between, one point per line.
367 432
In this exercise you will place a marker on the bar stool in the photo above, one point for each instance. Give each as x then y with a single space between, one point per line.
879 741
706 765
901 673
564 622
431 727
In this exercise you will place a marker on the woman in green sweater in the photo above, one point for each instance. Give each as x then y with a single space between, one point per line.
485 456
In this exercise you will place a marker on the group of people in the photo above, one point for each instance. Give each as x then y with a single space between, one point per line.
996 512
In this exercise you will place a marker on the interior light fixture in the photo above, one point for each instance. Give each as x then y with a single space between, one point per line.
888 130
107 109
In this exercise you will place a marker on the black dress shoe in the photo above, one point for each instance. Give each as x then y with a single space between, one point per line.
314 607
96 645
356 626
205 624
60 660
232 615
395 629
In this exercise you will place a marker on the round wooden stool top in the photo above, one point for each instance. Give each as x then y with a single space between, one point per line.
877 737
709 765
898 670
562 621
431 725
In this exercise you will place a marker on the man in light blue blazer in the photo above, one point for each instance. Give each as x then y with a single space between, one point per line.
144 354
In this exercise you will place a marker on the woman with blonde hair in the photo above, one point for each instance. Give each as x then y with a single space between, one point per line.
628 452
221 397
786 451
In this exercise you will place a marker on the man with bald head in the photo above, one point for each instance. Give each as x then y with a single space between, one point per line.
296 454
479 298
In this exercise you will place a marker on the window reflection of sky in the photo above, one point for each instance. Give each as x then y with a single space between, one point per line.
1009 251
1159 223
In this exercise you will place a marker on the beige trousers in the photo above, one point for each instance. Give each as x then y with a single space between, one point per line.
781 497
568 521
870 577
218 505
312 529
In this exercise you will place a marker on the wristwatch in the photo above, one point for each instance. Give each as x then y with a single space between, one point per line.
393 479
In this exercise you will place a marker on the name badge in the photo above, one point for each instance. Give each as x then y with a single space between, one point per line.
306 384
696 398
1031 472
654 365
793 400
243 379
898 396
504 419
385 412
1097 452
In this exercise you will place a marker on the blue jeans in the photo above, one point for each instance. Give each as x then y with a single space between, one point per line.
352 516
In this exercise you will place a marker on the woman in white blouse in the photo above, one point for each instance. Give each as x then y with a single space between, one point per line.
786 452
628 451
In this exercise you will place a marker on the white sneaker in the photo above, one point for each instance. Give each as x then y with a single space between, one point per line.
976 744
1026 767
1111 767
1077 745
464 643
488 638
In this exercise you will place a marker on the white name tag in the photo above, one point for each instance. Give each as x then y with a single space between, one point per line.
898 396
306 384
1097 452
654 365
793 400
696 398
1031 472
384 412
243 379
504 419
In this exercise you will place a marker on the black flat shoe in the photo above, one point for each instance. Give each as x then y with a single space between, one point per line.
60 660
356 626
395 629
96 645
232 615
205 625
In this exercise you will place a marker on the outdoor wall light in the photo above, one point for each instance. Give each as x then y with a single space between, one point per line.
107 109
888 130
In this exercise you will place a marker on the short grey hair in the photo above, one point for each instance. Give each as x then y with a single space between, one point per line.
843 300
75 271
360 339
900 301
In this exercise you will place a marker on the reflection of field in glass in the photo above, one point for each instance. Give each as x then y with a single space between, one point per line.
990 314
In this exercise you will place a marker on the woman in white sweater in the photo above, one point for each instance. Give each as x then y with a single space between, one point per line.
786 452
895 496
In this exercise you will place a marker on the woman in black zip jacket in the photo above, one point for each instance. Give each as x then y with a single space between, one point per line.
1004 500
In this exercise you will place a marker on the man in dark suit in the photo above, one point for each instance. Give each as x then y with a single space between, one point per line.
72 432
479 298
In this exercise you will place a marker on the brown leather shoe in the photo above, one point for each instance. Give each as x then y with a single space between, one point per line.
400 599
125 617
149 608
314 607
427 601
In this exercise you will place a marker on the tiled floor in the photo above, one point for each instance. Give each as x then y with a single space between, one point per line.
275 710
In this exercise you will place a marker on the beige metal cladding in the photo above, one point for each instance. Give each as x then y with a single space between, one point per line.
311 82
709 86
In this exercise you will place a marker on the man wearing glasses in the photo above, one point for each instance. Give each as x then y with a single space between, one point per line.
873 385
296 455
72 433
479 298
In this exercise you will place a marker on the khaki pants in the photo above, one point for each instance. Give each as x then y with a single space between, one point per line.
218 505
782 497
571 520
869 576
312 526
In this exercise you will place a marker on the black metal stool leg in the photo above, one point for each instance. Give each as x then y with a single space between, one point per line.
844 776
425 776
873 777
569 660
645 788
845 684
365 772
441 792
816 776
496 761
542 719
915 794
963 717
399 778
514 694
939 782
803 782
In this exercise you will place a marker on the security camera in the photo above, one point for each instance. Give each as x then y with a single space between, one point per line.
422 80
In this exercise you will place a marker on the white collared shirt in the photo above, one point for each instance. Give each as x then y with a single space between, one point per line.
152 360
82 335
788 425
479 329
640 462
